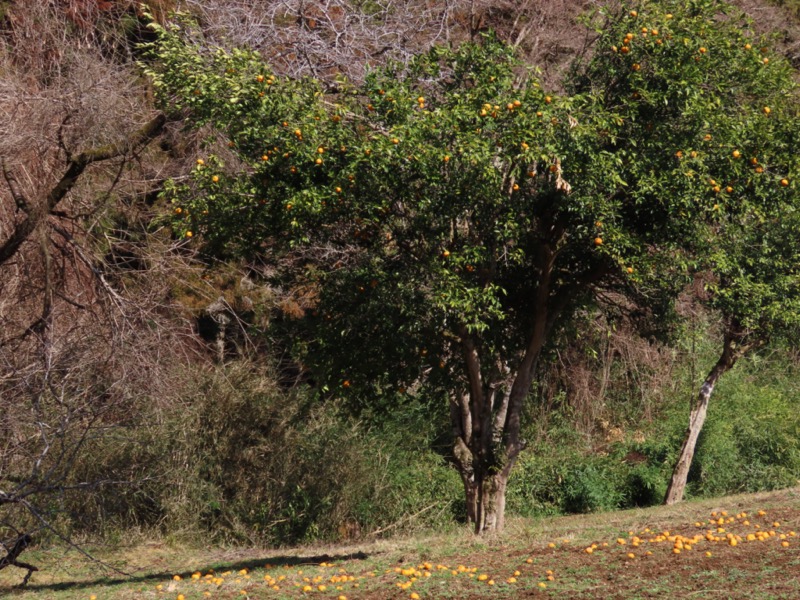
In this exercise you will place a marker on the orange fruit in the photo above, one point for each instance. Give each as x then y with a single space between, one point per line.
598 241
784 182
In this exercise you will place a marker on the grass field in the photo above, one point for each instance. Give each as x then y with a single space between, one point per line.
736 547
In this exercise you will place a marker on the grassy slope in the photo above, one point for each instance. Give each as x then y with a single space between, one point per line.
751 569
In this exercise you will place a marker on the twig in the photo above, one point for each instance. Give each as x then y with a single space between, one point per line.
407 518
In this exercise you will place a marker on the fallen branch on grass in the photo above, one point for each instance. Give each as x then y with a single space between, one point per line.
12 556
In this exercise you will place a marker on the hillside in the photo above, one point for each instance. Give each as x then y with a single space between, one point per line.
162 383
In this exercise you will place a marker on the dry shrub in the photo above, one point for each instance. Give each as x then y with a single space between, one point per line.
250 462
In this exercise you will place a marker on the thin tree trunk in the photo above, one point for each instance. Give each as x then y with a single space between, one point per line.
697 418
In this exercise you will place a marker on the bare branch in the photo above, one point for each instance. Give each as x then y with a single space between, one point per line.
74 170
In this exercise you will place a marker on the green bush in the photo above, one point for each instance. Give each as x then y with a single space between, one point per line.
590 487
751 440
535 487
644 485
237 458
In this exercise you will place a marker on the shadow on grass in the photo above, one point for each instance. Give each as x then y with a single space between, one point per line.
276 561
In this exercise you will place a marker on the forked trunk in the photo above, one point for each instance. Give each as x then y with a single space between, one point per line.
486 417
697 418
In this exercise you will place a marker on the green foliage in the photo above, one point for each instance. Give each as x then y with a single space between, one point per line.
590 487
237 458
435 187
751 439
240 458
645 485
451 203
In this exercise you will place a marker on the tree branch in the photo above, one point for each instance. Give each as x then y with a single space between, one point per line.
76 166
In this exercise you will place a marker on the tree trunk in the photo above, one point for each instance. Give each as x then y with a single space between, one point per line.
491 502
471 496
483 466
697 418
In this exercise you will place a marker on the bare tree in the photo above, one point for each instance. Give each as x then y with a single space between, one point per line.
79 351
329 39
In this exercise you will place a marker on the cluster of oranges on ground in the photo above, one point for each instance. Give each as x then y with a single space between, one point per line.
409 575
327 580
292 578
330 581
716 532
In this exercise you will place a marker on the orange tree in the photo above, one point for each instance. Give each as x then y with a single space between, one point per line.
451 216
753 284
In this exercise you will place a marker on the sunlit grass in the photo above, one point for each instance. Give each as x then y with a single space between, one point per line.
557 557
